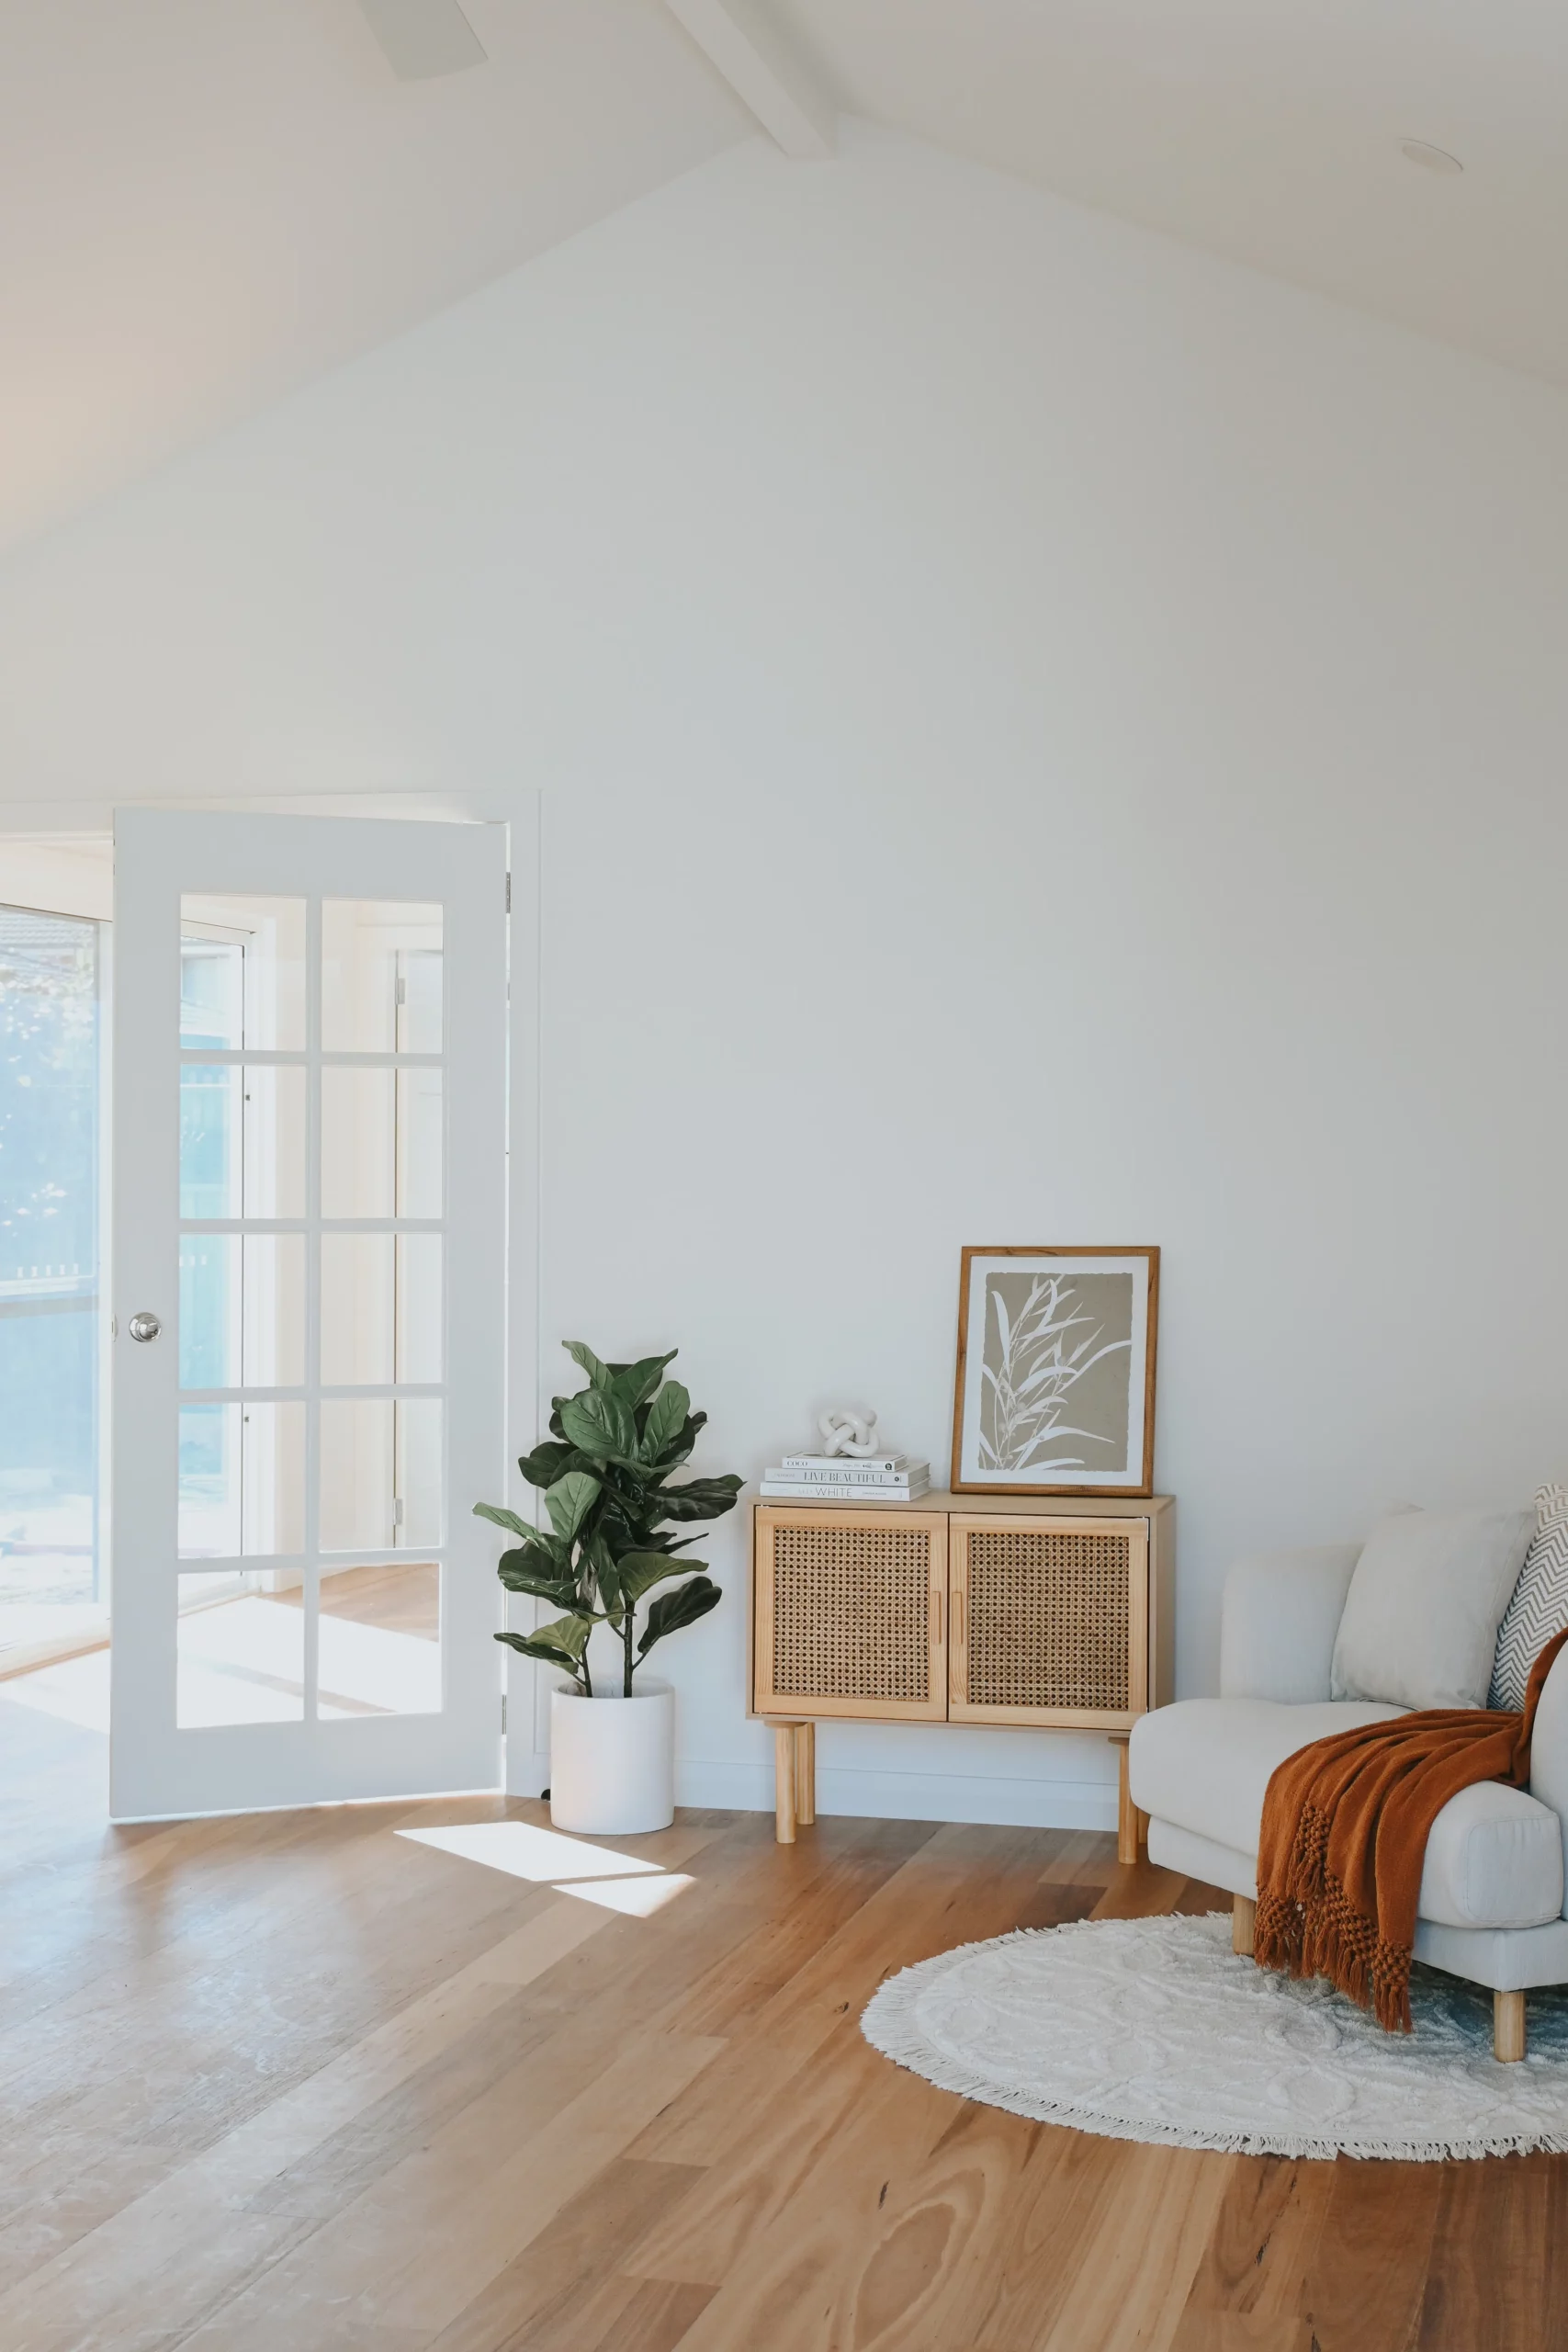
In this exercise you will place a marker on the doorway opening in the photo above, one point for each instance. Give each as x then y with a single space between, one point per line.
54 1585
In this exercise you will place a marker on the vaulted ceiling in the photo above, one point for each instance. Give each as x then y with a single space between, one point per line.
206 205
1272 130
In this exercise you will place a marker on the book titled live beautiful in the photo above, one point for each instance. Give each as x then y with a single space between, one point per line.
786 1490
838 1479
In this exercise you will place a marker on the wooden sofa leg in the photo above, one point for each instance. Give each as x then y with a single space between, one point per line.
1243 1911
1507 2027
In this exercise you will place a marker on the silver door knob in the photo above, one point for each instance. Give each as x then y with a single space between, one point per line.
144 1327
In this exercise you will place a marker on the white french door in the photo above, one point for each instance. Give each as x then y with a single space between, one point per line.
309 1273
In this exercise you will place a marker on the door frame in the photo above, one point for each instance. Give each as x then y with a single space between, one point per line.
520 810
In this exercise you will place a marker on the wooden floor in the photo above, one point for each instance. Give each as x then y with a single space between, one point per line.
297 2081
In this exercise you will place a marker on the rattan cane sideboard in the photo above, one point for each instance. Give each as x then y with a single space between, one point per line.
1056 1613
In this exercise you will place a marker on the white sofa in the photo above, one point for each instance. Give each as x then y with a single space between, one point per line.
1491 1906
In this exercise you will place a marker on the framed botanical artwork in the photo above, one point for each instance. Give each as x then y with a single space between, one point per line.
1055 1387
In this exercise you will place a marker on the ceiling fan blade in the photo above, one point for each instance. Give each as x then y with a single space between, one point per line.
424 39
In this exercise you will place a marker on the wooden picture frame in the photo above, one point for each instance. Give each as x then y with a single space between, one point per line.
1035 1326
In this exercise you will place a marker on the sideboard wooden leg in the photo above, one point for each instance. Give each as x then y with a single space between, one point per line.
1126 1811
1244 1914
806 1774
784 1782
1507 2027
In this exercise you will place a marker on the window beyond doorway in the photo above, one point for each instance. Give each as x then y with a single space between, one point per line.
53 1587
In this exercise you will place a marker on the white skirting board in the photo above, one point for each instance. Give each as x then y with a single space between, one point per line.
911 1796
880 1796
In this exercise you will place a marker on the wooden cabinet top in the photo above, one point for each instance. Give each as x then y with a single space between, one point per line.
940 1498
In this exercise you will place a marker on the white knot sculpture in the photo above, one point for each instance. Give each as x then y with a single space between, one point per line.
847 1432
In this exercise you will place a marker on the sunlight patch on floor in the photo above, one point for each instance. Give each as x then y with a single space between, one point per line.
637 1897
615 1882
525 1850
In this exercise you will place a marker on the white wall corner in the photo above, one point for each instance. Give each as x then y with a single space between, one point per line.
740 40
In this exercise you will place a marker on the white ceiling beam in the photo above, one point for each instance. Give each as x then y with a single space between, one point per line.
424 39
737 37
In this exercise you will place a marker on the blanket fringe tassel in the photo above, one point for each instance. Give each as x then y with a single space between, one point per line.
1309 1926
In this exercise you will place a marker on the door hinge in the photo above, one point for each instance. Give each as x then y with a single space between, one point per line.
509 894
503 1711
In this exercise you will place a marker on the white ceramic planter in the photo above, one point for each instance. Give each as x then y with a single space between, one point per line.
612 1763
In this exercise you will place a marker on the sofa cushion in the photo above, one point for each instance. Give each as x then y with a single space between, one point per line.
1421 1616
1494 1858
1279 1620
1539 1606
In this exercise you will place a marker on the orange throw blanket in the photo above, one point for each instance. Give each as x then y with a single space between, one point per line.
1344 1827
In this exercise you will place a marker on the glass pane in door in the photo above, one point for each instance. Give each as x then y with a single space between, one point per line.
243 973
380 976
240 1650
380 1641
381 1141
241 1139
242 1480
242 1310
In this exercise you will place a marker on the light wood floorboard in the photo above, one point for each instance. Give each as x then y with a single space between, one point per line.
296 2083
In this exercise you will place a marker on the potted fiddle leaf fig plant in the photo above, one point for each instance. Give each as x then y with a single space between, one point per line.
611 1545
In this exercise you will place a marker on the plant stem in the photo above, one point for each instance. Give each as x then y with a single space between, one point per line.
587 1678
627 1630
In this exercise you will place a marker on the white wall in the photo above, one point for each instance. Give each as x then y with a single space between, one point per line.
1123 696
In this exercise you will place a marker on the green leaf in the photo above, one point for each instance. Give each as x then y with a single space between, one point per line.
533 1569
568 1635
545 1464
570 1500
666 1418
542 1555
634 1384
640 1571
699 1498
680 1448
600 1424
532 1646
581 1353
499 1516
673 1610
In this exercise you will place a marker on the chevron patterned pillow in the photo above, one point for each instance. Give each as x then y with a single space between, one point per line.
1539 1606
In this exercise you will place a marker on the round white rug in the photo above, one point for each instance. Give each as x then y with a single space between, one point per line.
1154 2029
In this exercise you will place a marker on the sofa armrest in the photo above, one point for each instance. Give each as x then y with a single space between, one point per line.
1278 1621
1548 1750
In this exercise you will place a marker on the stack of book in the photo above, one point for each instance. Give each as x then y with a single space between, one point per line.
846 1478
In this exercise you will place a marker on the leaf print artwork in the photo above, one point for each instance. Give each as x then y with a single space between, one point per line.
1036 1355
1054 1391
